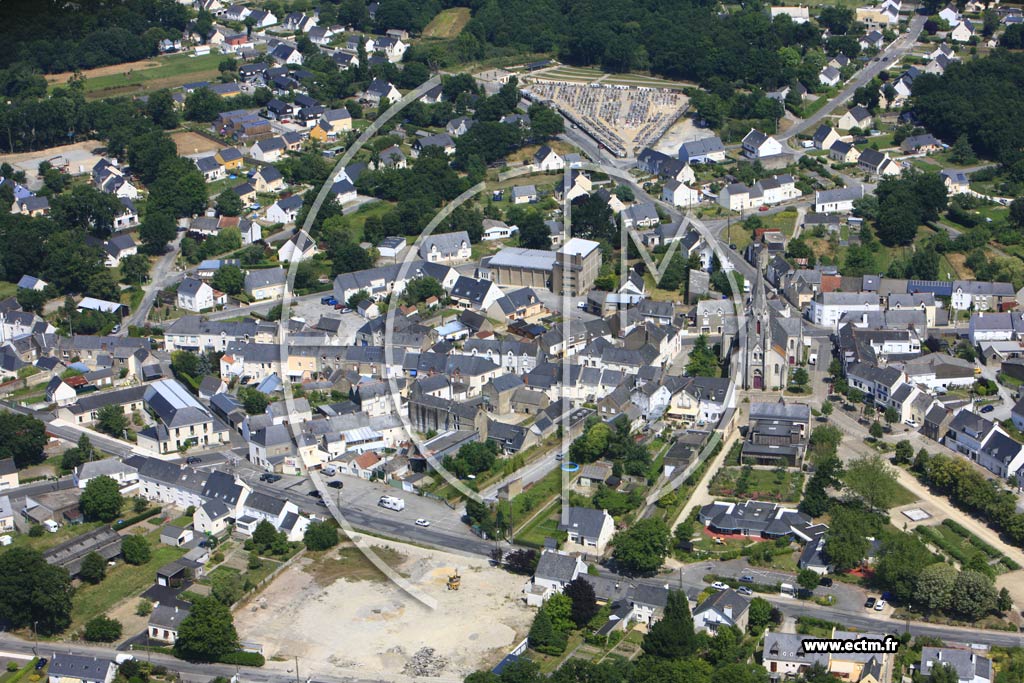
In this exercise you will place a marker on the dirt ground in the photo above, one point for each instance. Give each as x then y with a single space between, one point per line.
193 143
343 616
81 157
60 79
681 131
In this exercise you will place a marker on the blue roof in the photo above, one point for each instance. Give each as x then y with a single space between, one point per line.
269 385
80 366
939 287
503 663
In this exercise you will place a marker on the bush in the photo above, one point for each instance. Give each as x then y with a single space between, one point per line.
36 530
12 666
243 658
122 523
144 608
102 630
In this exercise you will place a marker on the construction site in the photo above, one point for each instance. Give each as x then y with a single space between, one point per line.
338 613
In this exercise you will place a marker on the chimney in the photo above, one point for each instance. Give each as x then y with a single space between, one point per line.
728 611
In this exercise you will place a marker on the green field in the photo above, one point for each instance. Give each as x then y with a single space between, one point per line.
448 23
171 71
7 289
122 582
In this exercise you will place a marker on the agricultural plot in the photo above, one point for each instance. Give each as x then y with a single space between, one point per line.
448 23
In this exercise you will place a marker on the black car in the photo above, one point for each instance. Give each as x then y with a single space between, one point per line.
193 460
43 661
270 478
316 494
825 581
869 603
336 484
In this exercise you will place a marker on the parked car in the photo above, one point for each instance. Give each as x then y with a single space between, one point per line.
825 581
747 578
719 586
328 301
744 590
988 409
43 661
270 478
316 494
880 605
336 484
422 522
869 603
193 460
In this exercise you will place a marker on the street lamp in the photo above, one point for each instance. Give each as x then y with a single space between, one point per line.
35 638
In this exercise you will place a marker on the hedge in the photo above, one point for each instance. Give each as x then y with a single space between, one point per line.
243 658
981 545
142 516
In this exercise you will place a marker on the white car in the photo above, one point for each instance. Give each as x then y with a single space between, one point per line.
422 522
719 586
880 605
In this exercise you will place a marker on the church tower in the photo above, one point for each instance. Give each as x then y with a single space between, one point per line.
757 327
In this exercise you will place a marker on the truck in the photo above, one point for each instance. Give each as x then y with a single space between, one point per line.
391 503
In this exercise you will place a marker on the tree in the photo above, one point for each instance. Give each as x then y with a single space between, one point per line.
254 401
33 591
902 557
847 543
642 548
135 549
264 535
207 633
961 152
759 614
934 587
533 232
229 203
102 629
134 269
891 415
872 480
826 408
702 361
904 453
1004 603
94 568
110 419
584 601
101 499
974 596
420 289
673 637
545 123
160 108
22 438
321 536
522 561
226 587
543 636
148 152
203 105
800 377
807 579
156 231
229 279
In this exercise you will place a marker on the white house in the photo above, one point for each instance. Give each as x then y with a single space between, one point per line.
829 76
962 32
678 194
547 159
285 210
757 145
837 201
827 308
723 608
856 117
589 530
299 248
195 295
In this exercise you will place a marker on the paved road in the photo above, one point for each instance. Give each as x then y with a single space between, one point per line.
162 275
889 56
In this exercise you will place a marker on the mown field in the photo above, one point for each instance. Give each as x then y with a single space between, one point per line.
448 23
145 76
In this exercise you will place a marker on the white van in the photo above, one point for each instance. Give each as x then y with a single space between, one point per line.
6 539
330 470
51 526
787 589
391 503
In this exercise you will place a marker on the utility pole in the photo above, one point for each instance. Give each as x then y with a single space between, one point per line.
35 637
297 669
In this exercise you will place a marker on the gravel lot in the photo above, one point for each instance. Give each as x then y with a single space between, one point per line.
339 617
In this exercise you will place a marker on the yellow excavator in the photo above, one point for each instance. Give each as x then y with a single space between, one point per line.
454 581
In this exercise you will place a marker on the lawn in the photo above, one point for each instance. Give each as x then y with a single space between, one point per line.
7 289
543 526
448 23
173 70
741 482
122 582
902 496
354 222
